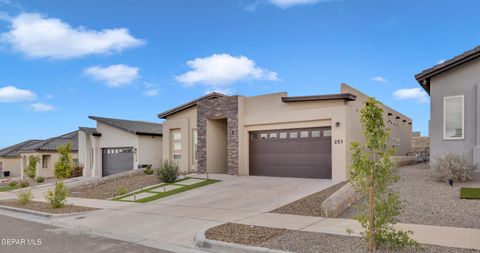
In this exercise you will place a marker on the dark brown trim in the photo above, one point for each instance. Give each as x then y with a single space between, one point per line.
149 134
190 104
344 96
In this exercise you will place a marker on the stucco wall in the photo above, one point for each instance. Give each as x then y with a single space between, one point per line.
12 165
217 146
462 80
186 121
50 170
150 150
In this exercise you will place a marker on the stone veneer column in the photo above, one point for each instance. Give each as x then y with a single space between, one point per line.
218 108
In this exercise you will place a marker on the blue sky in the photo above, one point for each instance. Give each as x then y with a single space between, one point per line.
61 61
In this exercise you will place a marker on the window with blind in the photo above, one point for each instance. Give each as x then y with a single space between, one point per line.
453 118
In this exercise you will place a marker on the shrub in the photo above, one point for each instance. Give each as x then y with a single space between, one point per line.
148 170
64 165
31 170
58 197
77 171
24 184
25 196
167 172
122 190
40 179
453 166
13 183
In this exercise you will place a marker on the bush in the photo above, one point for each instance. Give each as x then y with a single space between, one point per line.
122 190
453 166
40 179
77 171
167 172
58 197
13 183
148 170
25 196
24 184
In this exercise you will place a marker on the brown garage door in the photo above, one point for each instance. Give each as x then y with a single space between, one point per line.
303 152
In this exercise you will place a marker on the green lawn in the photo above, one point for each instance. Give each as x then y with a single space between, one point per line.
469 193
7 188
159 195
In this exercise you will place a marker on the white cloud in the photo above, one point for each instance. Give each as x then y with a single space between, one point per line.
41 107
289 3
223 70
40 37
114 75
10 94
225 91
380 79
412 94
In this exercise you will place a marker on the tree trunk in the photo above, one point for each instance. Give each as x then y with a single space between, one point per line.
371 214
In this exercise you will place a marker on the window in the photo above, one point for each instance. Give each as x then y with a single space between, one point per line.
283 135
177 156
45 159
327 133
273 135
195 143
293 135
177 136
304 134
453 118
315 133
177 146
263 136
254 136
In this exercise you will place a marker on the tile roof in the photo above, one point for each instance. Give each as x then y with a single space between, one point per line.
52 144
132 126
423 78
344 96
192 103
90 131
13 151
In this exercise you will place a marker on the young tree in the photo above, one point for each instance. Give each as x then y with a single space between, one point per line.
371 174
64 165
31 170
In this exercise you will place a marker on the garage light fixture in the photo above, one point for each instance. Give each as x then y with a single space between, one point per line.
337 124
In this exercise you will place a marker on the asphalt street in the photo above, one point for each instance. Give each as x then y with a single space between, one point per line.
20 236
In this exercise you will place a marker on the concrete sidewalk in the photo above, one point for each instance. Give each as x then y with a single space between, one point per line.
436 235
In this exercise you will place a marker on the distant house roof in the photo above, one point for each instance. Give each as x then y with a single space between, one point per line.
54 143
190 104
344 96
14 150
132 126
423 78
90 131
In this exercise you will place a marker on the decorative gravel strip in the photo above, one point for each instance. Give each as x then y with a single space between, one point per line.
243 234
310 205
110 189
431 203
303 242
45 207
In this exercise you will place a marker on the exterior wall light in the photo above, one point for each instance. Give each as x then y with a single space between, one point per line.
337 124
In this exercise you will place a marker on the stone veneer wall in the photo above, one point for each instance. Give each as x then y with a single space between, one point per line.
218 108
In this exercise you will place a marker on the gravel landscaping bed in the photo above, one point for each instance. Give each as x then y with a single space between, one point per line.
302 242
431 203
45 207
310 205
110 189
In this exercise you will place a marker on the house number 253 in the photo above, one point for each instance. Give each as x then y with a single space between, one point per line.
338 141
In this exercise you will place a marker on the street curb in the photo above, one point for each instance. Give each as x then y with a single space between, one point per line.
220 247
42 214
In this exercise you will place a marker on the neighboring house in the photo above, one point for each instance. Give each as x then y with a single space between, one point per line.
10 157
118 145
454 89
273 134
47 152
420 143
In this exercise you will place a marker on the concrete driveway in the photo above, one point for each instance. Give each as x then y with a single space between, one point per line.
176 219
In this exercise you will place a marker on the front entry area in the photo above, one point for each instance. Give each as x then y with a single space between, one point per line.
116 160
303 152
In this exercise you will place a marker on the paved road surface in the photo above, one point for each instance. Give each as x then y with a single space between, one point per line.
25 236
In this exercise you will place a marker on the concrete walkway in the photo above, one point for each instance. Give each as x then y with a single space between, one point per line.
436 235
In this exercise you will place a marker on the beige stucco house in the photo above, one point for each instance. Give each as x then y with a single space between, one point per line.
118 145
10 158
273 134
47 152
